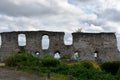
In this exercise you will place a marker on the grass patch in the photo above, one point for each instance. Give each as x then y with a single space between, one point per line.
60 70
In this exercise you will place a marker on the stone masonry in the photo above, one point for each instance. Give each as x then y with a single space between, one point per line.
86 44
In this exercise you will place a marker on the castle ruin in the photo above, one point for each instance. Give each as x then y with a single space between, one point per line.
86 44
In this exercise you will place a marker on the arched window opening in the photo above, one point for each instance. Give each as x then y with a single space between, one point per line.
96 54
37 53
45 42
76 56
21 40
0 41
57 55
68 39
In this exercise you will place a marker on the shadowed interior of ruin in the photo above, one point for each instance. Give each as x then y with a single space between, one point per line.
86 44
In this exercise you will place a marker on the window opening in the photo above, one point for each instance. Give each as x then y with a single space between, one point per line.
45 42
68 39
21 40
57 55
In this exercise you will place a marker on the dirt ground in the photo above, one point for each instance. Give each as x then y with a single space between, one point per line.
6 74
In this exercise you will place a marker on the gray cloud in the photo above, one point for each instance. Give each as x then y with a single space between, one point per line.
59 15
111 14
8 7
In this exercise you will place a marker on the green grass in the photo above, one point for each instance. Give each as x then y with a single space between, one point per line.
60 70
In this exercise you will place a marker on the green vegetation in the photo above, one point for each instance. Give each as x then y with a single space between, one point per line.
49 61
60 70
111 67
66 57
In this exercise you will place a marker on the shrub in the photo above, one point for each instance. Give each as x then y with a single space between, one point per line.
61 69
66 57
87 65
91 74
83 71
96 65
118 74
22 49
87 73
11 61
22 60
50 62
111 67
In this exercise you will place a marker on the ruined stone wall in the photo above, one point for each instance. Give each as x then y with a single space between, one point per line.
104 43
9 44
84 43
34 42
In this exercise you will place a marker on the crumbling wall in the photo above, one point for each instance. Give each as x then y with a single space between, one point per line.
104 43
34 42
84 43
9 44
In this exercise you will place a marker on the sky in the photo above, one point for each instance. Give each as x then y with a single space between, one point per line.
61 15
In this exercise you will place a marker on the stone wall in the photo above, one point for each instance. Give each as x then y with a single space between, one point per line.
86 44
105 44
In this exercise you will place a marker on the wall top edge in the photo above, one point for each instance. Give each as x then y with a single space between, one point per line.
42 31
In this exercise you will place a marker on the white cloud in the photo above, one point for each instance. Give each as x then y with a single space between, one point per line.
112 26
60 15
94 28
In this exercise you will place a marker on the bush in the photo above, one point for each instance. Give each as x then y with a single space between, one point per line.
61 69
11 61
22 60
50 62
96 65
111 67
85 71
118 74
87 65
66 57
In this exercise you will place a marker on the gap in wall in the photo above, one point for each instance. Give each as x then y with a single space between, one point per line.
68 39
21 40
45 42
